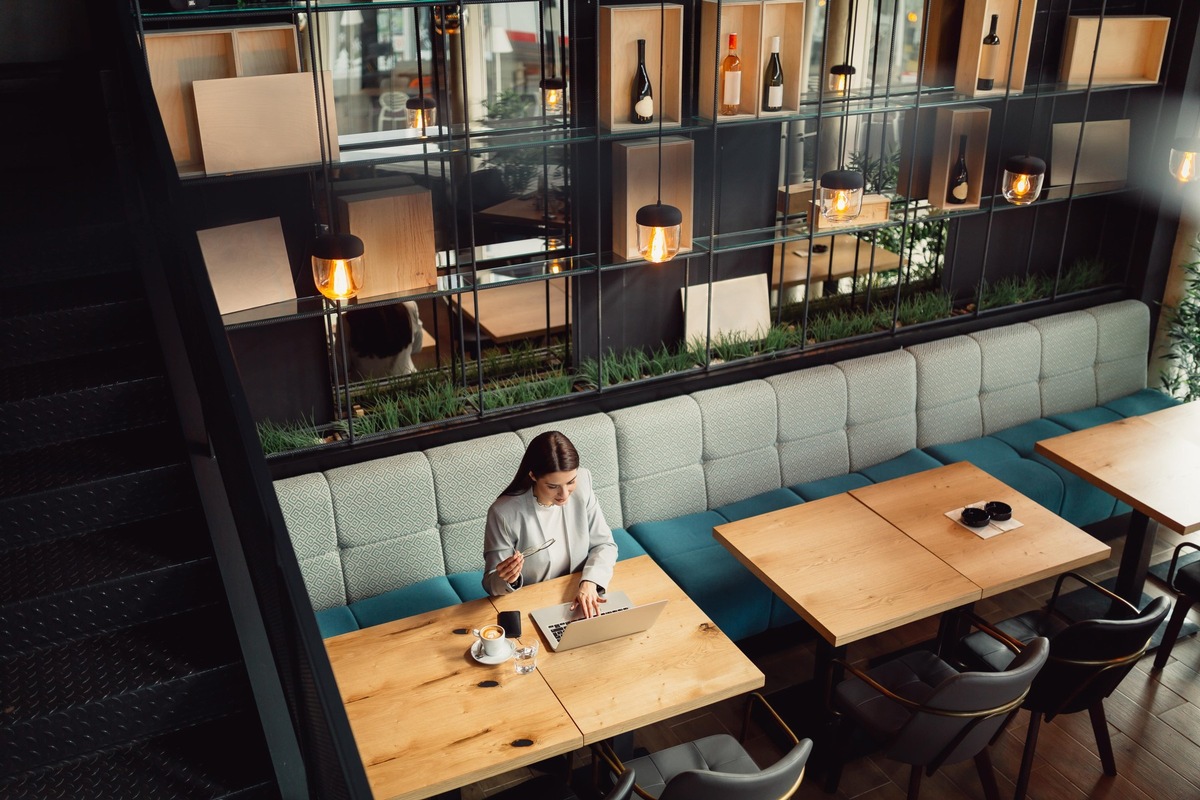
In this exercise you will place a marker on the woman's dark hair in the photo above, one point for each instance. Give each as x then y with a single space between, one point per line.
548 452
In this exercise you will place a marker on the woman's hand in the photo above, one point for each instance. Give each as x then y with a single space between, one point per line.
509 569
588 599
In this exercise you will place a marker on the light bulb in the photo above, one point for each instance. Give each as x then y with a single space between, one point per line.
1022 182
1183 160
422 112
658 229
841 195
337 264
839 78
554 94
657 250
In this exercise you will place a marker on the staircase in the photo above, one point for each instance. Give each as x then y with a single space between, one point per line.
121 674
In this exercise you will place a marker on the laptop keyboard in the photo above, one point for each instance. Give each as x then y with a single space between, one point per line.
559 627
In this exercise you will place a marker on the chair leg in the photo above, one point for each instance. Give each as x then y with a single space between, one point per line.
914 782
987 776
1035 724
1182 605
1103 742
840 745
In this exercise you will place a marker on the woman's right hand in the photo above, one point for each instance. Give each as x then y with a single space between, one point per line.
509 569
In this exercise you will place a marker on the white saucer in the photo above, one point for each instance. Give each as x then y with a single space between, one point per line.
476 652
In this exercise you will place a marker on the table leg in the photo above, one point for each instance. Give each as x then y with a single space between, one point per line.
828 674
952 627
1135 558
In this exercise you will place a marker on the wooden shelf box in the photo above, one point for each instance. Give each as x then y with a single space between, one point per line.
635 184
940 42
785 19
1127 50
916 148
620 28
1015 24
744 19
179 58
875 209
951 123
396 227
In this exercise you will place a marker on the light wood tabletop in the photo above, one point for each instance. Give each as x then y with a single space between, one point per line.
1182 420
518 310
683 662
1150 464
1044 546
422 714
844 569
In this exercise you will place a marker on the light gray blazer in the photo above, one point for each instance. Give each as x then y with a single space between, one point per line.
512 525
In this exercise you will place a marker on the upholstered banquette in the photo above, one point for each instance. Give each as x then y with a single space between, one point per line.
401 535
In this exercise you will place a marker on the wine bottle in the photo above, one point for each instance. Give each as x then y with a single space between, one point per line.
959 187
772 99
987 58
731 80
641 96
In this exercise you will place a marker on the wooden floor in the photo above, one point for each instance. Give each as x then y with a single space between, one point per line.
1154 719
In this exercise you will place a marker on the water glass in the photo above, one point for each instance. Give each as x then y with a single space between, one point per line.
526 659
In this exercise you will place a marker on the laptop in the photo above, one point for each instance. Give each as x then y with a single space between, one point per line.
565 629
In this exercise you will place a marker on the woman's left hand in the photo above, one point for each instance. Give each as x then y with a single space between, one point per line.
588 599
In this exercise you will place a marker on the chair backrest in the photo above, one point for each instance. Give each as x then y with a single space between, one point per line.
776 782
966 710
1089 659
624 788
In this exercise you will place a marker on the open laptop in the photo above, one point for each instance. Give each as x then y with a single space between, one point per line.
565 629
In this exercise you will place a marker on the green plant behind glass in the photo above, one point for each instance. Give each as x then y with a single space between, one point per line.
1180 376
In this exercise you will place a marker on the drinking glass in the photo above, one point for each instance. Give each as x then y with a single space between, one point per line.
526 659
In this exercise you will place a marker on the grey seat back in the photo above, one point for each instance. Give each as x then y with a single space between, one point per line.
776 782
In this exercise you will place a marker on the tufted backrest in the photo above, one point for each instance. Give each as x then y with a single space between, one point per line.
1121 331
308 513
949 385
812 405
881 416
740 430
1068 372
659 453
1011 362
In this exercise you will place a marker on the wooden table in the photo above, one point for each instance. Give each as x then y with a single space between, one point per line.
518 310
681 663
1046 545
423 722
1151 462
845 256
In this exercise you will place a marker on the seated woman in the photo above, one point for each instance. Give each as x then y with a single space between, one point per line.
550 498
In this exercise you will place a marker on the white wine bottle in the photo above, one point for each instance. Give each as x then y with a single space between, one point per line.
772 99
988 54
731 80
641 96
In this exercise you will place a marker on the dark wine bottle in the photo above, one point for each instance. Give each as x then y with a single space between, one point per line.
641 97
959 187
987 58
772 99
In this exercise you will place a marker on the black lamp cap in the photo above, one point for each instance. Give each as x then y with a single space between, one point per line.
1186 145
844 179
335 246
420 102
659 216
552 83
842 69
1025 165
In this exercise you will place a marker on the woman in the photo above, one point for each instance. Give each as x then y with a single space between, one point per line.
550 498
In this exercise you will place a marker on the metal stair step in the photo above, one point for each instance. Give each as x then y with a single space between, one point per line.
88 371
44 337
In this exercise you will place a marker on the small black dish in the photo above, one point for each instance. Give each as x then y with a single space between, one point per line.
975 517
1000 512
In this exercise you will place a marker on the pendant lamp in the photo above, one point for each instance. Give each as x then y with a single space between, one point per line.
422 112
553 88
1183 160
840 195
1023 177
337 264
659 225
839 79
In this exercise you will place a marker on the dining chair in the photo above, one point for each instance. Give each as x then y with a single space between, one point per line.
1186 583
554 787
927 714
392 111
1088 660
715 767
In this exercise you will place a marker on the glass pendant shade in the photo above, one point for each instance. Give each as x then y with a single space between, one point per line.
337 264
1183 160
554 95
658 228
1023 177
422 112
839 79
841 195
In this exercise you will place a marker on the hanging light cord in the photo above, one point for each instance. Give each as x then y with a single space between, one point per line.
662 26
849 81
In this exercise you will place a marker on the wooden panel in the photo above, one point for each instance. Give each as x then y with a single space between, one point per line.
785 19
422 719
1127 49
247 264
261 122
794 199
396 226
917 127
517 310
635 184
1016 23
739 306
683 662
620 28
1046 545
974 121
941 42
744 19
845 570
834 257
1182 420
1104 157
266 51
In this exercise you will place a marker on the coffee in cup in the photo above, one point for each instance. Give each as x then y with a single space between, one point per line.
492 637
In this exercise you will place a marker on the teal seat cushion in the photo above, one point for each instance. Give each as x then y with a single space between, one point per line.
731 596
1082 502
827 487
627 546
1085 418
335 621
1142 401
904 464
1036 481
981 452
1023 437
763 503
467 585
427 595
665 538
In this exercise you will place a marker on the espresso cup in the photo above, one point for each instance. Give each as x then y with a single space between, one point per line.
492 637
